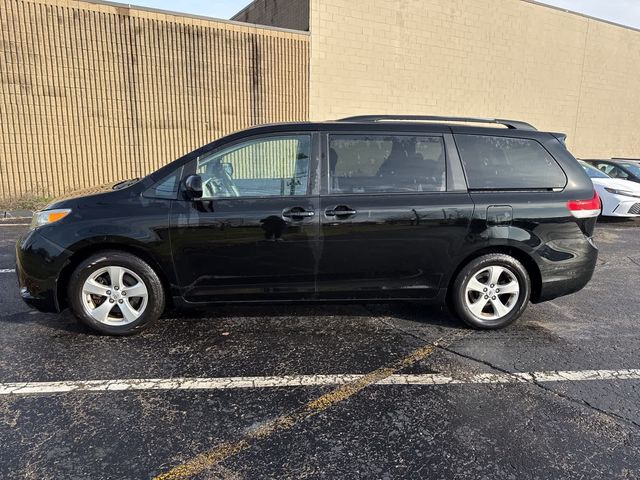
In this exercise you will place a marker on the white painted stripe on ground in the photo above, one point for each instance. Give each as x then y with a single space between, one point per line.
224 383
14 224
7 270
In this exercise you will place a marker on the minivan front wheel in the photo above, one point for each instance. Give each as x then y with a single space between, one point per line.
491 291
116 293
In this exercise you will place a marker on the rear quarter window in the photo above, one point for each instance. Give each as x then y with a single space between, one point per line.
497 163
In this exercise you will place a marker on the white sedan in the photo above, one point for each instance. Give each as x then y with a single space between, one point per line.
620 198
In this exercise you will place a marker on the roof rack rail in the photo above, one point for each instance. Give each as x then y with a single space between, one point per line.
513 124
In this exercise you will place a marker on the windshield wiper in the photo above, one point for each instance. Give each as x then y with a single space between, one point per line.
124 184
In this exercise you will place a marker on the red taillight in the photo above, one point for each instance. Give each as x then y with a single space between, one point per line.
585 208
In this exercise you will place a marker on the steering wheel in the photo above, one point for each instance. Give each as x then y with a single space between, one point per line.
222 186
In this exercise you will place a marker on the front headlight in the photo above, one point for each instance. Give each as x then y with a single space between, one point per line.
625 193
46 217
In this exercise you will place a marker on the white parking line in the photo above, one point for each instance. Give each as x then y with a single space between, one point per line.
14 224
224 383
7 270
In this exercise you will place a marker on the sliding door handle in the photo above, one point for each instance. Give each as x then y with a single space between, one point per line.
340 211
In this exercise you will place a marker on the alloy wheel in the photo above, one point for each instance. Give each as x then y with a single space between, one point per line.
114 295
492 293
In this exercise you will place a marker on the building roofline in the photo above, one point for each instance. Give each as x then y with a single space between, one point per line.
244 10
583 15
306 32
535 2
189 15
253 2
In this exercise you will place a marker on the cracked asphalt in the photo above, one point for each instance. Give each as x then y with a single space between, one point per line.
527 429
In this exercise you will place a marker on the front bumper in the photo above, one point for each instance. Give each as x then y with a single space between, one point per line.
39 263
628 209
622 207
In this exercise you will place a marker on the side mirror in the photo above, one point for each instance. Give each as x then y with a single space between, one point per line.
193 186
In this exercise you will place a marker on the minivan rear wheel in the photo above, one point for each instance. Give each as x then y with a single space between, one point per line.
491 291
116 293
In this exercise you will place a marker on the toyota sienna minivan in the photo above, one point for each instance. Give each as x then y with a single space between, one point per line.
484 215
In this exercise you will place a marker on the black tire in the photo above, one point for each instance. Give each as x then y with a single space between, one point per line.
475 267
155 299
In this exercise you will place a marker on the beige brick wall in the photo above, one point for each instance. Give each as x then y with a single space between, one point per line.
608 120
495 58
292 14
91 93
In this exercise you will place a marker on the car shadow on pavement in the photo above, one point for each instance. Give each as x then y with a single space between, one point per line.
420 314
619 221
64 321
409 311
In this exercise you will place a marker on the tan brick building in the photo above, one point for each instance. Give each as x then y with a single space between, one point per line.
517 59
93 92
293 14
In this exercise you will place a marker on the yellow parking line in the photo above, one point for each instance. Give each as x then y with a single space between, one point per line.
222 452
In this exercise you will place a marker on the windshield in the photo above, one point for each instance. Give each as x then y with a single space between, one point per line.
632 167
593 172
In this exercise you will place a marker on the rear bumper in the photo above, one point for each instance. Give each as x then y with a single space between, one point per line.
38 266
568 276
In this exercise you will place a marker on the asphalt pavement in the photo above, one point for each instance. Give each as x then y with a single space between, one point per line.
330 391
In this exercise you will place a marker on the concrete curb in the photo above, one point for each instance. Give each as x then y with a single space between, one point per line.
15 214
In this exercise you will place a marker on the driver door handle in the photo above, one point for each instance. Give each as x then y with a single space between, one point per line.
297 213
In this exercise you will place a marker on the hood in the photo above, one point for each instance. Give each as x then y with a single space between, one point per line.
90 193
618 184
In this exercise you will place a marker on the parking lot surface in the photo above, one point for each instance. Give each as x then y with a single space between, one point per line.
327 391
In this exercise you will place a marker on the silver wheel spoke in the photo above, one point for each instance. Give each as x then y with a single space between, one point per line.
511 287
91 287
116 275
137 290
476 286
494 274
499 308
477 307
101 313
128 312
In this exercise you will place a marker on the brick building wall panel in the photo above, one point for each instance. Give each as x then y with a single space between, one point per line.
91 93
488 58
292 14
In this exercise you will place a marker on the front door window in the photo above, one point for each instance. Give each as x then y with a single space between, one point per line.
265 167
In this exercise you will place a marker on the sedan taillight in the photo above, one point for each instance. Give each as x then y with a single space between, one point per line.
585 208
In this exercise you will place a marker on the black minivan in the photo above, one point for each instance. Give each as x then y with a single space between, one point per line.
482 214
